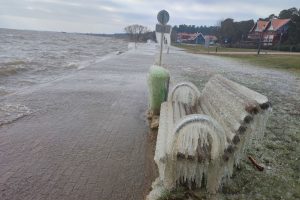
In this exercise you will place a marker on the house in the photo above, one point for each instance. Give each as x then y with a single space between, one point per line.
269 32
190 38
211 39
196 38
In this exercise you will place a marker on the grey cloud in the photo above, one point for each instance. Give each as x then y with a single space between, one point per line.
111 16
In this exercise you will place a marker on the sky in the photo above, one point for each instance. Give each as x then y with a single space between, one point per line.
103 16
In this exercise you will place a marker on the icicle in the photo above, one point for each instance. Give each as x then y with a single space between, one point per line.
195 147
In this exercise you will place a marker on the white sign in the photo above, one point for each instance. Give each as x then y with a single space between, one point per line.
163 28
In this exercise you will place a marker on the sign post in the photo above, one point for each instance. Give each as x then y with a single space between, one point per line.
163 18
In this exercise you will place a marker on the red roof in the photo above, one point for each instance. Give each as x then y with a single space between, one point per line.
188 36
277 23
261 25
211 37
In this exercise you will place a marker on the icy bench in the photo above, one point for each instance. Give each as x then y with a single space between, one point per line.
202 136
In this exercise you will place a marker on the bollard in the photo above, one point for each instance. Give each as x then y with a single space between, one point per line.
158 83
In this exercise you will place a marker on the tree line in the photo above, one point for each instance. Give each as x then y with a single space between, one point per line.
227 31
294 25
139 33
205 30
231 32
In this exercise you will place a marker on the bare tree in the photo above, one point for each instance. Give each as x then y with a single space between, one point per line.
136 32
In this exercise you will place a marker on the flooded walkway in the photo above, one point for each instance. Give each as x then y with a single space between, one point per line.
85 137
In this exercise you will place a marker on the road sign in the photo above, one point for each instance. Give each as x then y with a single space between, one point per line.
163 17
163 28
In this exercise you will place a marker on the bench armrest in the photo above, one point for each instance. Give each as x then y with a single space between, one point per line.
185 92
198 137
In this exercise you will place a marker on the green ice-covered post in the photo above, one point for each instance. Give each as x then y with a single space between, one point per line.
158 82
158 77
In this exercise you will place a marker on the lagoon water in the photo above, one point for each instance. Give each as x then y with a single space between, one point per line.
31 57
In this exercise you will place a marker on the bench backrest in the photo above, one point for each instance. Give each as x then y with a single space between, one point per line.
241 111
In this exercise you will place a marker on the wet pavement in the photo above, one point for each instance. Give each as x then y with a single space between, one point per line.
86 135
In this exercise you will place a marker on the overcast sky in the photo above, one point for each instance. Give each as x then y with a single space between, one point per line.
103 16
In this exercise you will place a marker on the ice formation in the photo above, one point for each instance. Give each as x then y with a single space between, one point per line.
201 137
185 92
158 81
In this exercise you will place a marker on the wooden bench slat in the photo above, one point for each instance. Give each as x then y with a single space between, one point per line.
231 115
225 98
245 92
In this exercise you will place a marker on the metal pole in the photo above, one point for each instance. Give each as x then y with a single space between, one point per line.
278 48
259 44
161 48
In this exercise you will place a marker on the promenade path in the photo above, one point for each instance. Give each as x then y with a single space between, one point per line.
86 136
254 53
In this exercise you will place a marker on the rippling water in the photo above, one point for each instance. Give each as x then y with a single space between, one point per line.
28 58
32 57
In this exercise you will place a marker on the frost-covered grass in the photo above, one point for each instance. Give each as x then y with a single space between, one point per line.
202 49
279 152
290 62
275 61
280 148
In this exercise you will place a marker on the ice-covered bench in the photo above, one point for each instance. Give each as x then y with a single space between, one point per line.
202 136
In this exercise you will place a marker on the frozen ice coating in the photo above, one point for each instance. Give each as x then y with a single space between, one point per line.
202 136
199 140
158 80
189 150
197 135
185 92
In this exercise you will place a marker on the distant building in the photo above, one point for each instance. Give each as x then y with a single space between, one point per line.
195 38
211 39
271 32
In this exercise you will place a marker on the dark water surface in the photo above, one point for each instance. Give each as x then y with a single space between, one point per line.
30 57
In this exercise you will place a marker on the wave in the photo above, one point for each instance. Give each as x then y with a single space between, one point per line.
3 91
72 65
32 57
11 68
86 63
10 113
